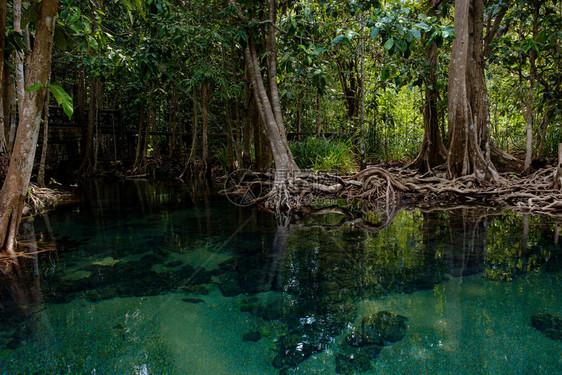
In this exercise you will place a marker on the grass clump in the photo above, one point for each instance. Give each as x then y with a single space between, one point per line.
324 154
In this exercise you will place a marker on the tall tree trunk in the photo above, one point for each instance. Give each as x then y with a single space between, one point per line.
541 131
204 132
350 89
468 109
7 95
15 186
363 156
272 65
433 151
43 161
140 143
195 123
13 114
284 161
97 139
153 134
528 100
172 123
20 56
81 105
4 156
145 142
237 124
299 117
87 165
318 114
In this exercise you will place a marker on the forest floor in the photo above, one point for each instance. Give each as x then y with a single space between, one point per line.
378 189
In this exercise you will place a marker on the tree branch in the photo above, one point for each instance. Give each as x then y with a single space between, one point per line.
492 30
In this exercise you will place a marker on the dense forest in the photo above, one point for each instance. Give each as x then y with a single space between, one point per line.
463 97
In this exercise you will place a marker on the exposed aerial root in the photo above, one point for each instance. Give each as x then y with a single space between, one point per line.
381 189
41 199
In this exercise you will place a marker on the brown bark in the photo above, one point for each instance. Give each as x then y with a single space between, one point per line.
20 56
468 103
4 156
43 160
272 64
15 186
275 132
237 121
269 107
433 151
7 94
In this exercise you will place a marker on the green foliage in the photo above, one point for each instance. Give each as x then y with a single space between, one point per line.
60 95
63 99
324 154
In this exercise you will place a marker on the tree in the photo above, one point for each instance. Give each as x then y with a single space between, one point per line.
269 106
469 150
15 186
4 156
433 151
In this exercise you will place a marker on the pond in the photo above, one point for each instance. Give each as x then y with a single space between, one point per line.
160 278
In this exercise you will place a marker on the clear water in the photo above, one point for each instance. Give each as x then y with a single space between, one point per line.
145 278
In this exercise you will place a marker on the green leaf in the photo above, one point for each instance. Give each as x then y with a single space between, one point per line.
385 72
422 26
416 33
34 87
388 45
337 39
402 45
60 39
375 32
63 99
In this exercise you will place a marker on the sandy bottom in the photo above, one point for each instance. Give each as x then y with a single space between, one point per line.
463 326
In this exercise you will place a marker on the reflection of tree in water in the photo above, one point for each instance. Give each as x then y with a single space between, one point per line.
517 244
20 288
326 269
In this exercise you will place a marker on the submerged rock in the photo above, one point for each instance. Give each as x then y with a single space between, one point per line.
228 286
252 336
380 329
193 300
352 358
348 364
195 289
549 324
294 349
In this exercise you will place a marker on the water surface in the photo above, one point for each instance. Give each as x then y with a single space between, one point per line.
155 278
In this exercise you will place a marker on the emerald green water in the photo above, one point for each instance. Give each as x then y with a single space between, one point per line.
153 278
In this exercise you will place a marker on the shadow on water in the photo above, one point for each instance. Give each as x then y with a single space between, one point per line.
302 278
